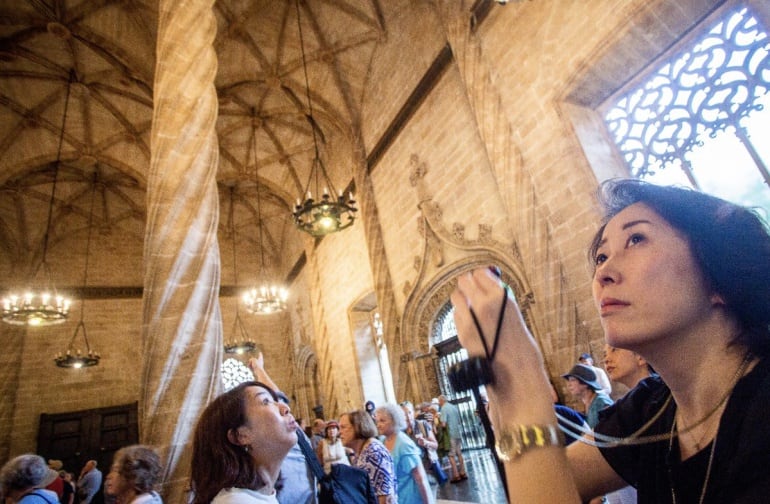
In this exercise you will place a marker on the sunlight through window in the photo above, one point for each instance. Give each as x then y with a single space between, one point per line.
702 118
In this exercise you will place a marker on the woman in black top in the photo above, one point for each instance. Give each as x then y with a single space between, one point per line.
683 279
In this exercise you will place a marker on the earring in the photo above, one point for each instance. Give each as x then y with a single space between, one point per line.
246 449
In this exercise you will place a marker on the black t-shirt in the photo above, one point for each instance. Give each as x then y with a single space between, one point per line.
740 471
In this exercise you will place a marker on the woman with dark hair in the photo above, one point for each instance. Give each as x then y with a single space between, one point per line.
682 279
133 475
240 441
358 432
22 479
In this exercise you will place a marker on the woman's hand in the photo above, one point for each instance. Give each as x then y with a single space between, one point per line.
521 393
517 364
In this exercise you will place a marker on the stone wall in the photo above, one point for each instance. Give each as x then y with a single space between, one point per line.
505 174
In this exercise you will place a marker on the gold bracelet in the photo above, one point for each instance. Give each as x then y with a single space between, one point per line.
513 443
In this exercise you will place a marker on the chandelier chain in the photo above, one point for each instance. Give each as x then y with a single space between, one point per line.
56 167
325 213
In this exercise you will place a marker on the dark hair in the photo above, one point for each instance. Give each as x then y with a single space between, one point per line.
139 465
216 462
363 425
729 243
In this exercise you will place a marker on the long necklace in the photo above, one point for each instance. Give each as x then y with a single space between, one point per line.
708 467
674 432
636 438
698 442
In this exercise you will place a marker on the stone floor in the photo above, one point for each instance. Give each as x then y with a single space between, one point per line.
482 486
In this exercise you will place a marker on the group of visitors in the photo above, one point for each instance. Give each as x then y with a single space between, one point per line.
251 431
681 283
28 479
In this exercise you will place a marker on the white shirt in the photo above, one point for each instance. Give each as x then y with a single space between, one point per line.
333 454
243 496
147 498
603 380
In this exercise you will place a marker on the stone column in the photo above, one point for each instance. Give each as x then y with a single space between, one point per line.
182 326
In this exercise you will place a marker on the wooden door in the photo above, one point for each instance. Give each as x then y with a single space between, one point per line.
79 436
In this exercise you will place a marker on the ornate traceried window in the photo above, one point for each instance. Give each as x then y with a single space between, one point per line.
701 118
234 372
445 324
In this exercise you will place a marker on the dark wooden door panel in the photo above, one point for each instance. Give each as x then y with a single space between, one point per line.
79 436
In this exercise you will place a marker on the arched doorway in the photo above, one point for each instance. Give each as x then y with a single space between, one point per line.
443 337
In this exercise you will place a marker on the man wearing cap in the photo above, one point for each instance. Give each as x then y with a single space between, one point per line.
601 375
583 385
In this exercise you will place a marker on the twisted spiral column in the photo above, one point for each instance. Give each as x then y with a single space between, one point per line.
182 326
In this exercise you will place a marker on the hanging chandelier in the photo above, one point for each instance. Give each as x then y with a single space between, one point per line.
332 211
266 297
71 357
240 342
37 308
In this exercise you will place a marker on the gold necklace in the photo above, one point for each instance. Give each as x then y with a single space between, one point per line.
674 432
708 467
690 433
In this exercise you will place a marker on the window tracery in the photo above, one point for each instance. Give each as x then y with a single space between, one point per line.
234 372
699 104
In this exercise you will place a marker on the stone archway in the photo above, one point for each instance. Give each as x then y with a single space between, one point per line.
418 363
307 393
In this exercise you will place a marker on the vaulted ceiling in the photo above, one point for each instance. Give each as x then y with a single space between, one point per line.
96 58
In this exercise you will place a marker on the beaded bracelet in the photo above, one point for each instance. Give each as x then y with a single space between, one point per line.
513 443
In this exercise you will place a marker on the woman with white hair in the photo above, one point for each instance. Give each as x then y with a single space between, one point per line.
413 486
21 479
133 475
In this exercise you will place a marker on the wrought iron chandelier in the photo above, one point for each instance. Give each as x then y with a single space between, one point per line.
37 308
72 357
267 297
240 342
333 211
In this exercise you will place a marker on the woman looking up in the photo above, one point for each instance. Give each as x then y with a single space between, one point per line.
240 442
682 279
412 481
133 475
357 432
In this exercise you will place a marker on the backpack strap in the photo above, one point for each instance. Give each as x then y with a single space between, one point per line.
310 457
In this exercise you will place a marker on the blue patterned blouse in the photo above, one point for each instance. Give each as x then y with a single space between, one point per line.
375 459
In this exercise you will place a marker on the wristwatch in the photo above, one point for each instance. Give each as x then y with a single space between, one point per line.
514 442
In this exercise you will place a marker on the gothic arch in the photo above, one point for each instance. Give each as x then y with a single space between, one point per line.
306 391
423 306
